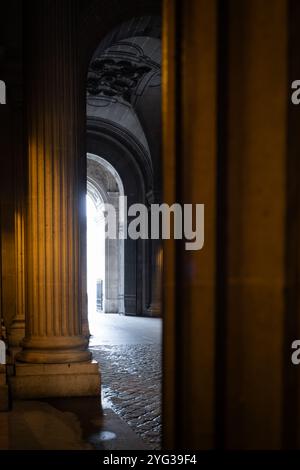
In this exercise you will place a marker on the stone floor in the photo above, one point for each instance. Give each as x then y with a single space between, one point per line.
35 425
65 424
128 350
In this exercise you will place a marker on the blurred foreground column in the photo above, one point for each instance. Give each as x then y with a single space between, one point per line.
231 141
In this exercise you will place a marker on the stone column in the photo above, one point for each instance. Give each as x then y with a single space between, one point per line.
156 264
56 208
17 329
189 172
112 264
156 272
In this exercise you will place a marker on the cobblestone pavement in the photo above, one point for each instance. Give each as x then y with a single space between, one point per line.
131 386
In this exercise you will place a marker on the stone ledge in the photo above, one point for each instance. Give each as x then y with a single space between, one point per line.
25 369
55 380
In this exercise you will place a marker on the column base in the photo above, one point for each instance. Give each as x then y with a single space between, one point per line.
76 379
14 351
154 310
111 305
86 329
16 333
54 350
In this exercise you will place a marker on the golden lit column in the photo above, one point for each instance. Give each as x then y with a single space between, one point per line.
56 207
55 187
17 329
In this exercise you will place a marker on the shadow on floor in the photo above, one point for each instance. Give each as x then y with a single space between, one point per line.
65 424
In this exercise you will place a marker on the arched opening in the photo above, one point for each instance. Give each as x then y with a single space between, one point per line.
124 169
124 125
105 254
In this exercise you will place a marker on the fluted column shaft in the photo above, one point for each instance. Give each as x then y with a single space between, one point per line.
17 329
56 186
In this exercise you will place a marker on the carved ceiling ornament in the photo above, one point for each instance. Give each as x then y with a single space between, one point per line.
117 74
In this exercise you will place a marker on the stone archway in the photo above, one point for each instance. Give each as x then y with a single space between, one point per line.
124 124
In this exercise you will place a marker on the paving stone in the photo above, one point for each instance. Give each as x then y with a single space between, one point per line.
131 383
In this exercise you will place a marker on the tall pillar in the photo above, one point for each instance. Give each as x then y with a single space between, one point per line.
113 275
56 209
17 328
189 176
156 274
157 285
154 270
256 227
